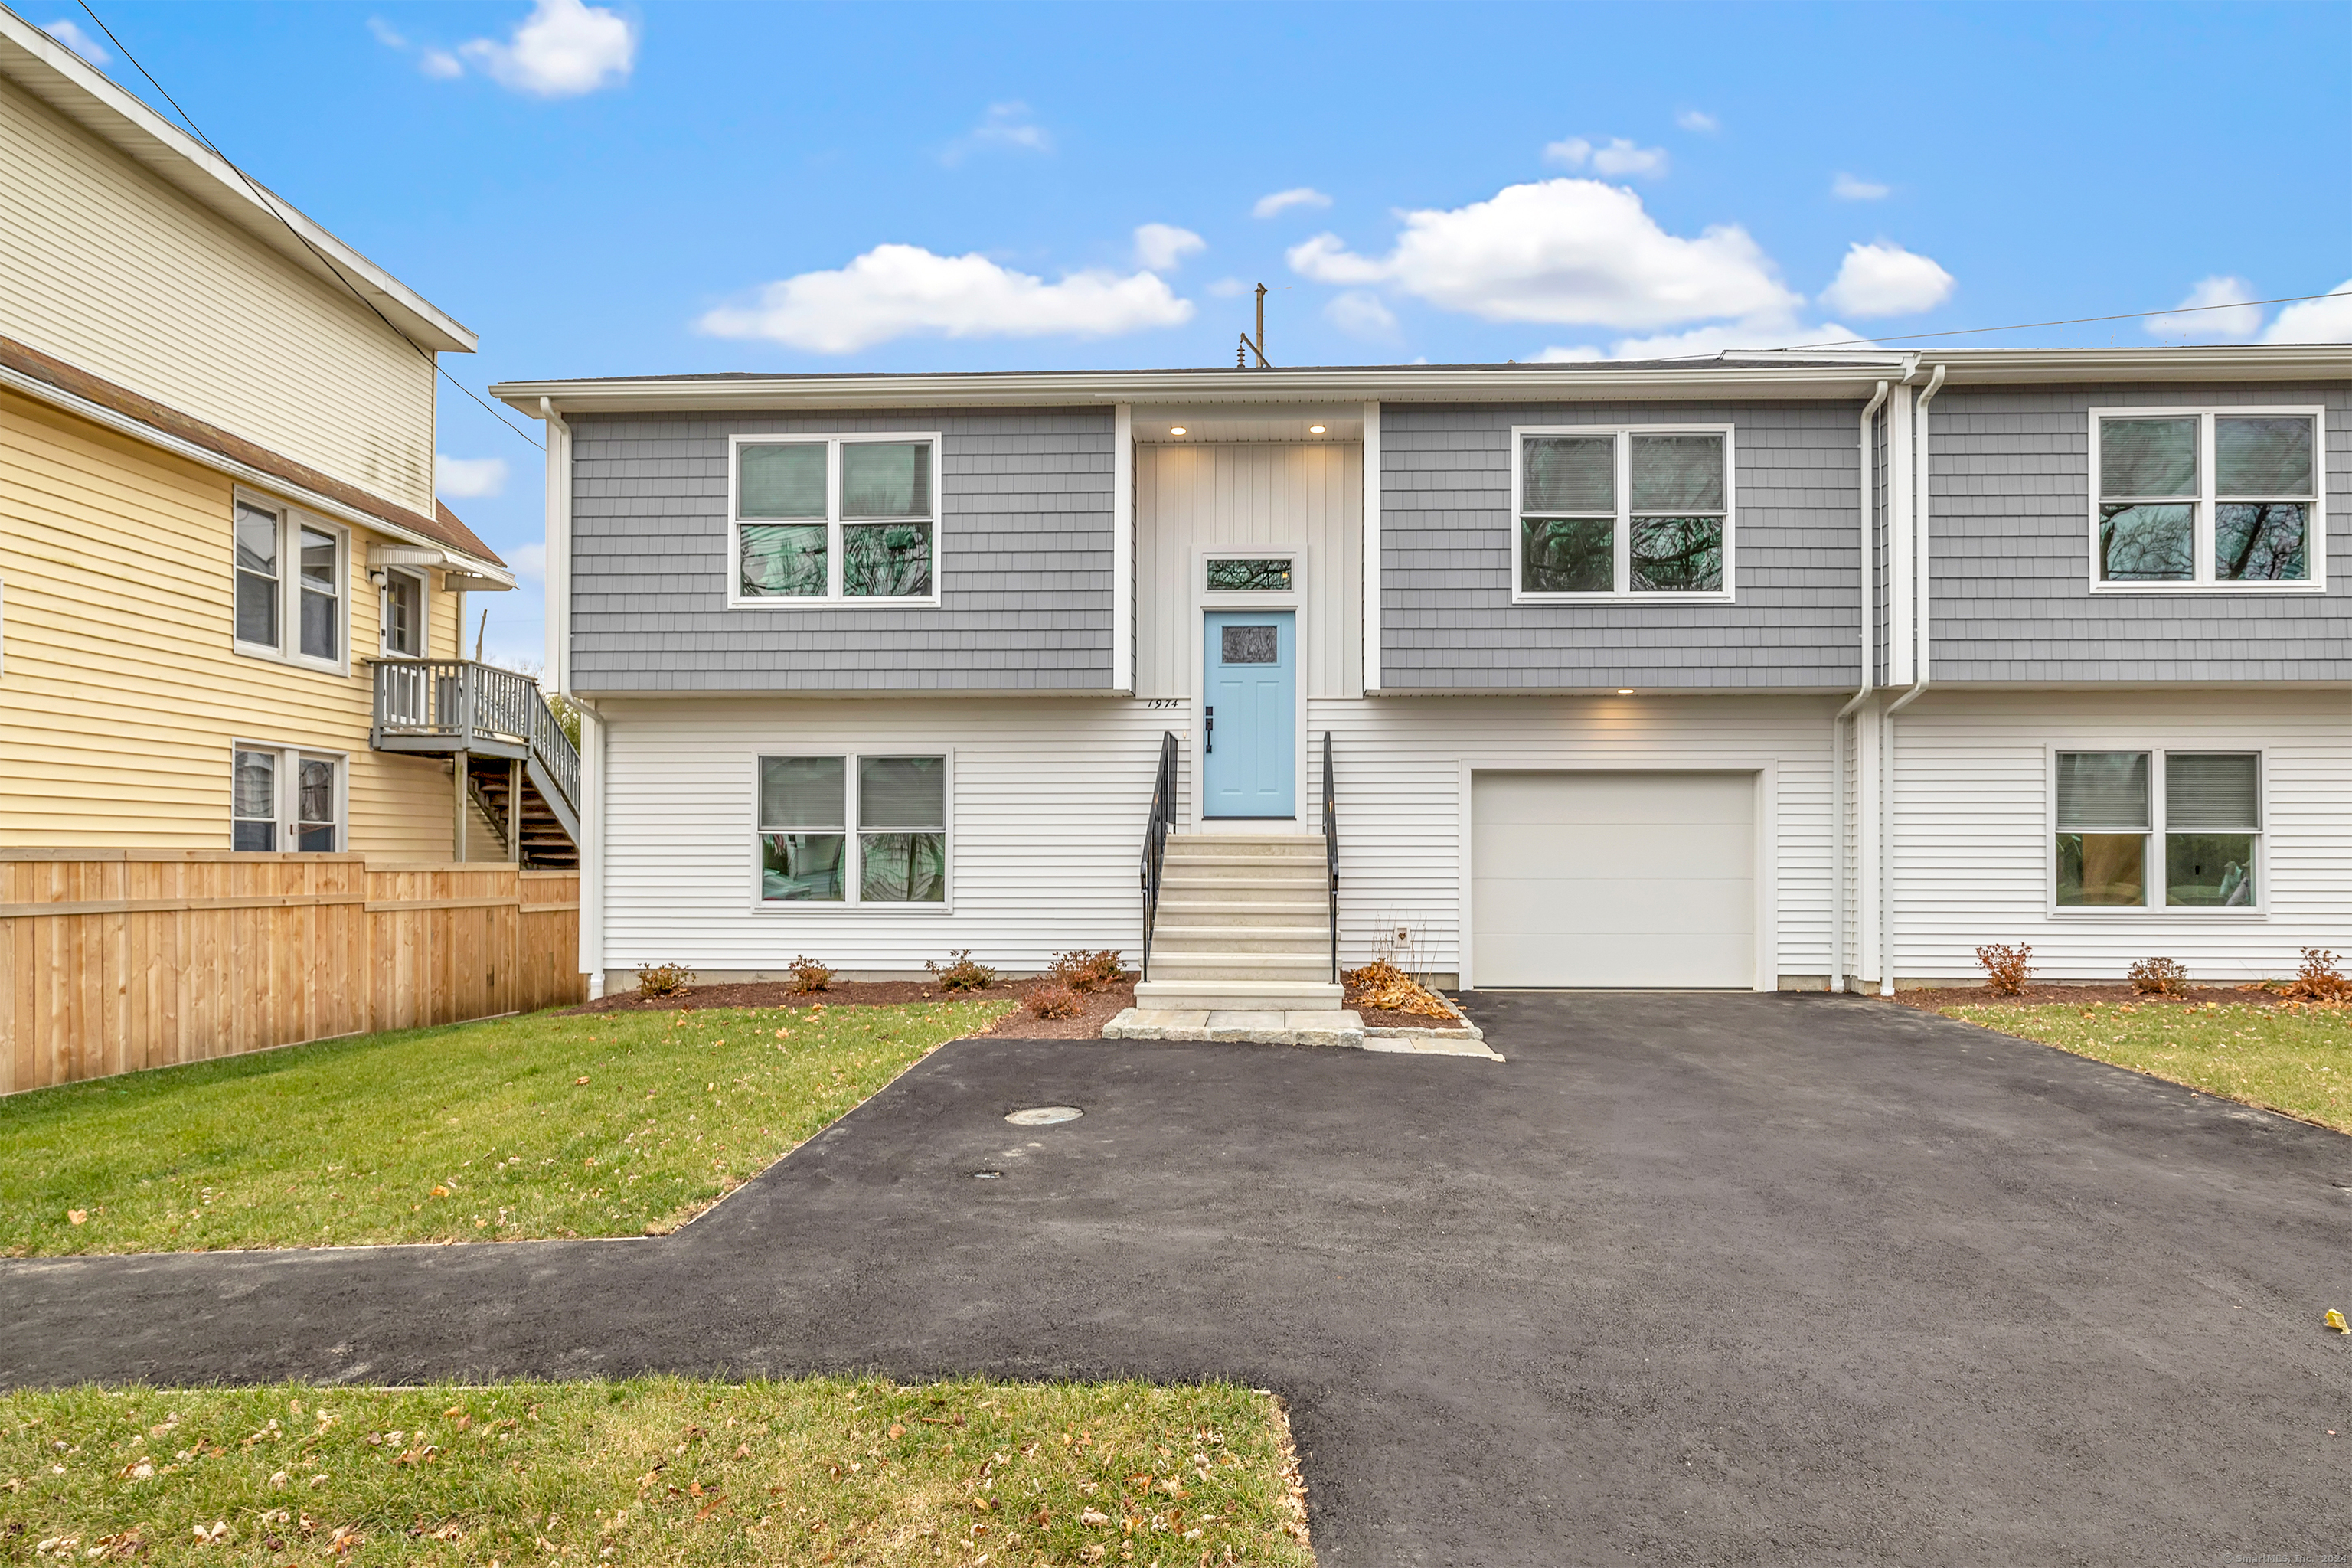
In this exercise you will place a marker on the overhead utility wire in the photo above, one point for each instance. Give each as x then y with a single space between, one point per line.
267 201
2071 320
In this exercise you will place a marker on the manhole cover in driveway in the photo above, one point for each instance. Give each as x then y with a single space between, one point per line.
1044 1115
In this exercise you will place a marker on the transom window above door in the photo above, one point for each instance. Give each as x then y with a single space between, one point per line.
1250 574
834 520
2220 499
1632 512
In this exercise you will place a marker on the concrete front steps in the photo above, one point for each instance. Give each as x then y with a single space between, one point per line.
1243 925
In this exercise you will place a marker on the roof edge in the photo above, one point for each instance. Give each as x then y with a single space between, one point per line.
1819 374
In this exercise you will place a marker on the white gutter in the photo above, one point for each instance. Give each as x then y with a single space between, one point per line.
1922 585
1861 695
495 578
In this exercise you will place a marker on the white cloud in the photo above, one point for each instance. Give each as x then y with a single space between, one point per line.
903 291
1883 279
387 33
1004 125
1229 287
1283 201
1847 187
1617 156
2235 322
80 42
562 50
1697 119
2314 320
1362 314
1561 250
1162 247
529 561
1577 355
467 476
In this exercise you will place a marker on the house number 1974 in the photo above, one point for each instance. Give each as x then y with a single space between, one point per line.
1163 702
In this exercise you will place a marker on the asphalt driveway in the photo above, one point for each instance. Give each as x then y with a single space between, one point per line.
1687 1279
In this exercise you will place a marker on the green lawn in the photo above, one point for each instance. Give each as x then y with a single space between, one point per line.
2298 1061
597 1124
654 1471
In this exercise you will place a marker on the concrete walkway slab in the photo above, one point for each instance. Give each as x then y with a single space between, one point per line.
1701 1278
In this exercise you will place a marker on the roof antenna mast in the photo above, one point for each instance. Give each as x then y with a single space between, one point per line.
1257 347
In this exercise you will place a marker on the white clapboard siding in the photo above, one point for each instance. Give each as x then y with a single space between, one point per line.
1048 800
106 266
1308 496
1398 764
1975 830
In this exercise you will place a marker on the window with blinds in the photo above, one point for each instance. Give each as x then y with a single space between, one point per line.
2158 829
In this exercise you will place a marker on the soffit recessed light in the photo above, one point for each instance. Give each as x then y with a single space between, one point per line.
1315 429
1624 691
1175 429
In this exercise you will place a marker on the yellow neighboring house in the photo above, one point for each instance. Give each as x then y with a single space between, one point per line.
232 613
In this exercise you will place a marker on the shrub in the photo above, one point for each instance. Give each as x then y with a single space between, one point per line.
1053 999
2160 977
1083 971
809 976
663 980
2006 968
960 973
2320 980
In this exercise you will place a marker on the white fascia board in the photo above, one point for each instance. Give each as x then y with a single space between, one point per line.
62 80
489 577
1851 377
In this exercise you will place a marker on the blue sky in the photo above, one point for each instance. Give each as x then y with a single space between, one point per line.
636 188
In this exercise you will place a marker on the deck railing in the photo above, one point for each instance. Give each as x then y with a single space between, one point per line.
476 707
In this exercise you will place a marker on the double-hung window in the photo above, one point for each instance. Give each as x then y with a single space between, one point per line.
2206 498
285 798
2158 830
835 520
854 829
1632 511
289 585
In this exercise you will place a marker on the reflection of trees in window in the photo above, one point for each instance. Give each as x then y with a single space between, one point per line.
1677 554
786 559
889 560
2146 544
2260 540
1271 576
1567 554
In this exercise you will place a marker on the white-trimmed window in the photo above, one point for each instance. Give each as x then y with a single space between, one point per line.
852 829
1625 511
834 520
2158 829
282 798
289 571
403 620
2217 498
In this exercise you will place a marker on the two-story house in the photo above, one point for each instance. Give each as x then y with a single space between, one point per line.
232 612
1751 671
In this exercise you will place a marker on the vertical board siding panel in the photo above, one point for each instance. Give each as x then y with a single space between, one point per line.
1972 813
343 949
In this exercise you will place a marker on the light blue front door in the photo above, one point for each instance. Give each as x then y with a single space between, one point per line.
1251 719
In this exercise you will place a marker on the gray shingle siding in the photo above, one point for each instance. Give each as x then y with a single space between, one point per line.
1447 622
2011 563
1025 562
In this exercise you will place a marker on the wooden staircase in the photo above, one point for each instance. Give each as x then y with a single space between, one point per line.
1242 924
543 842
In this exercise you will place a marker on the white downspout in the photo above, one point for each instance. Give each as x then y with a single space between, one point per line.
1837 725
591 804
1923 582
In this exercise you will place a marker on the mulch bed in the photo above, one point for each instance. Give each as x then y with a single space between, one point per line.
1386 1018
1096 1009
1937 998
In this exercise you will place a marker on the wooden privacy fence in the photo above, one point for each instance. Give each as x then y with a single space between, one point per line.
113 961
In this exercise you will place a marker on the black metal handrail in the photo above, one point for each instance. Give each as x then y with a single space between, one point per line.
1331 851
1155 840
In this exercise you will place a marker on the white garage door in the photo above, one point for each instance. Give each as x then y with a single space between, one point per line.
1613 880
